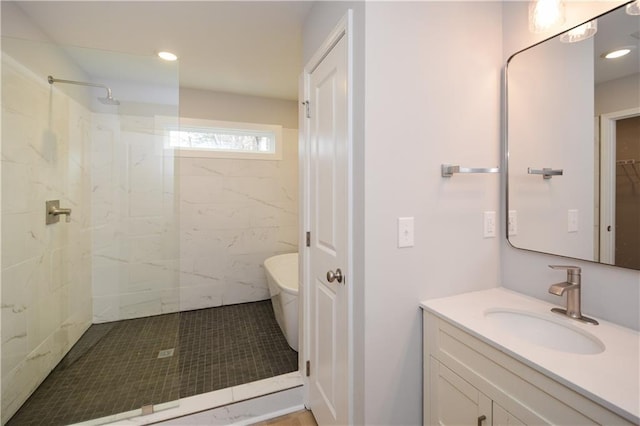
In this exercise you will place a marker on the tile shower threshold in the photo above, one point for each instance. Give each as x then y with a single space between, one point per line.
206 401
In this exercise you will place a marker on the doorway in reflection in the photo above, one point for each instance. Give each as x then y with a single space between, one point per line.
627 204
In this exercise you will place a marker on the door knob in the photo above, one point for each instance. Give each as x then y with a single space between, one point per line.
334 276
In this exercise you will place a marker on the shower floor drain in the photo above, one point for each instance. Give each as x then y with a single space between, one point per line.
166 353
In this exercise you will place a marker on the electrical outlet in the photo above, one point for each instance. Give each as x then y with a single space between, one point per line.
489 224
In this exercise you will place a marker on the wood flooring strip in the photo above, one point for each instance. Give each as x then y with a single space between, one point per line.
299 418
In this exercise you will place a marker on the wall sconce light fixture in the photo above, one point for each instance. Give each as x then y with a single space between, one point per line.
544 14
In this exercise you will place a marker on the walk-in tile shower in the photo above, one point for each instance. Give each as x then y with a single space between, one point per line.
108 312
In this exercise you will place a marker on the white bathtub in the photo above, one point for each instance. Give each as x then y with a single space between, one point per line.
282 277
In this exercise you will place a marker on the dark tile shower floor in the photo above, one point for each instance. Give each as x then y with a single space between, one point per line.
115 367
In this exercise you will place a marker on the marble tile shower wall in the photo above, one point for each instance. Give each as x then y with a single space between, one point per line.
125 253
135 235
46 269
233 215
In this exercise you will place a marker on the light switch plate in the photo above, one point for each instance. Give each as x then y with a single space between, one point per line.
405 232
572 221
489 224
512 223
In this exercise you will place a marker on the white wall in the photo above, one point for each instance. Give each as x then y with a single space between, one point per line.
618 95
46 269
426 103
432 87
235 213
134 272
609 293
46 293
24 40
135 245
234 107
188 233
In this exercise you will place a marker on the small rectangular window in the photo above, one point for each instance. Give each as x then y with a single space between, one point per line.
223 139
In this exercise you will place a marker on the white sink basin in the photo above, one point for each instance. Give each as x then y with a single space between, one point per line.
544 330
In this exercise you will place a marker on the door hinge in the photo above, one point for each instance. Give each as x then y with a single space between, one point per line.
308 372
307 111
308 239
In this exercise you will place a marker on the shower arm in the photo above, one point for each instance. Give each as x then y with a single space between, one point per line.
52 80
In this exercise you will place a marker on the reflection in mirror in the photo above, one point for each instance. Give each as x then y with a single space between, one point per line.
576 113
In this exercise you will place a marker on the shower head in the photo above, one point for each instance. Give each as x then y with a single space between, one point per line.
108 100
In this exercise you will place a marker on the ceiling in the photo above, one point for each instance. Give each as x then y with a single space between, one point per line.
616 29
245 47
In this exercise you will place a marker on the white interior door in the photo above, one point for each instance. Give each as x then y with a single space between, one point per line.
328 251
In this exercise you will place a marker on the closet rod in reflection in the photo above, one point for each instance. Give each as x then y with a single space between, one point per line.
632 163
448 170
626 162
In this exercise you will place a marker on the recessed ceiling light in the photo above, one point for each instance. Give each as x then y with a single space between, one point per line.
618 53
167 56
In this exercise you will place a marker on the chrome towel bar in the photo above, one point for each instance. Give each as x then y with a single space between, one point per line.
448 170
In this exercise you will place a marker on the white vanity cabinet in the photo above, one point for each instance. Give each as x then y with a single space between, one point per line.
455 402
468 381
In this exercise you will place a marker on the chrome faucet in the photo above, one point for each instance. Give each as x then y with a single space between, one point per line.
572 288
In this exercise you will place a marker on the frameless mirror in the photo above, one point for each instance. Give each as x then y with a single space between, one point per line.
573 145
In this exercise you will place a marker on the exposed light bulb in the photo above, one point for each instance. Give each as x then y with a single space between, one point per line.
633 8
544 14
580 33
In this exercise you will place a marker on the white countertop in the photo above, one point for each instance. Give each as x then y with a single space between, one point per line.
610 378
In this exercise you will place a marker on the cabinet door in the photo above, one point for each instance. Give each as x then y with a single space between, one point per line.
502 417
454 401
